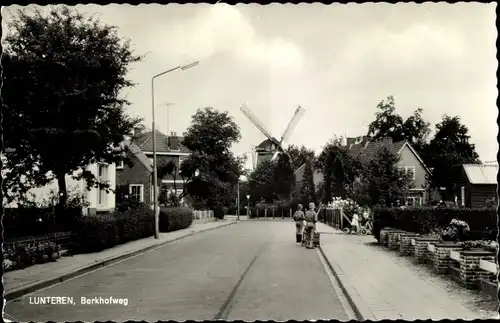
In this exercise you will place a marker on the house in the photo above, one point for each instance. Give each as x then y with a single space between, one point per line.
98 199
299 179
477 183
139 177
410 162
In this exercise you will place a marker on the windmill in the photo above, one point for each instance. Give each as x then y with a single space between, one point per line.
272 146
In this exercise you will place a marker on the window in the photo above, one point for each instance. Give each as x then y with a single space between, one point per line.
137 192
102 195
119 165
414 201
462 193
409 170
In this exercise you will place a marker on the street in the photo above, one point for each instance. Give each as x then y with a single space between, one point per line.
250 271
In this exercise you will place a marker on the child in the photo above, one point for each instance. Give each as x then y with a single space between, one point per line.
355 223
298 217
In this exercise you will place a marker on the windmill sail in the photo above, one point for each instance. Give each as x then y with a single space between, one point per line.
299 112
249 114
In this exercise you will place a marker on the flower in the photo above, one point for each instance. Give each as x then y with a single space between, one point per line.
7 264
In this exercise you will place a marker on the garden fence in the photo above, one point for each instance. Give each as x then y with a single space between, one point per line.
333 217
203 215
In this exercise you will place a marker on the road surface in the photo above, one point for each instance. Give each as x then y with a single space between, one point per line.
248 271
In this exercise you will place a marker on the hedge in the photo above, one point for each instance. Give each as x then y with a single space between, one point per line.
103 231
175 218
482 222
22 222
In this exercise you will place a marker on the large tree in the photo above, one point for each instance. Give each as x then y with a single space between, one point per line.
449 148
260 182
308 189
283 177
339 170
299 155
385 183
210 137
62 78
388 123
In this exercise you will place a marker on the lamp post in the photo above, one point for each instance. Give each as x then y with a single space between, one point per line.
248 207
155 173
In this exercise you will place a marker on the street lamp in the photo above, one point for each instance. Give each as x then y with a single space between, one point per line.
155 173
248 207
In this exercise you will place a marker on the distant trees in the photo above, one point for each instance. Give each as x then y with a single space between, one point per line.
299 155
308 189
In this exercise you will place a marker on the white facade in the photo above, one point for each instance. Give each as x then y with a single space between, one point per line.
97 199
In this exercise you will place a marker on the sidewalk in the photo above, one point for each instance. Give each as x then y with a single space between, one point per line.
23 281
380 284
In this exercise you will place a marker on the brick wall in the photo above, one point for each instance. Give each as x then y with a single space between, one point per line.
420 251
393 239
441 257
405 247
138 174
469 267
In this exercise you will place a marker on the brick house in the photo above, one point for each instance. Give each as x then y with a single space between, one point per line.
139 177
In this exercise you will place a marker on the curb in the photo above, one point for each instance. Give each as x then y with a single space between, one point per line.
9 296
361 310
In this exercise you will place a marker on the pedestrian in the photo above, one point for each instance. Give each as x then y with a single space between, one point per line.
298 217
311 217
355 223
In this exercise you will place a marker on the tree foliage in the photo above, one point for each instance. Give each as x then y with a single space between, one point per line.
308 189
62 75
388 123
299 155
283 177
260 182
339 169
449 148
210 137
386 183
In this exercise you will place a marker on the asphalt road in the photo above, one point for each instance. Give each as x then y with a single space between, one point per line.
249 271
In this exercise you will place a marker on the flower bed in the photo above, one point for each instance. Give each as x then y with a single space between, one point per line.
19 256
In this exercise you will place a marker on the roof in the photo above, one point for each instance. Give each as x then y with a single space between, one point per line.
368 151
317 175
144 142
481 174
137 152
266 144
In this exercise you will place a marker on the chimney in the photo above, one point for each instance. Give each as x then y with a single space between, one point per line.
387 141
137 131
350 141
173 141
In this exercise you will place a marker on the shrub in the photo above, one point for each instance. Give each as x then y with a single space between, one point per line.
134 223
456 231
482 222
96 233
219 212
32 221
20 256
102 231
176 218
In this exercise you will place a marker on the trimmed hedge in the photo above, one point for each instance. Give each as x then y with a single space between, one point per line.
23 222
103 231
175 218
482 222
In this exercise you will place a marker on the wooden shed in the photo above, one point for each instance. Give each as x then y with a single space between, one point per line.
477 184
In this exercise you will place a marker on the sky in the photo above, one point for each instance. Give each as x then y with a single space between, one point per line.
336 61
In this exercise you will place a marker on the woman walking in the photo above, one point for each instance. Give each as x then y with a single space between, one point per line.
298 217
311 218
